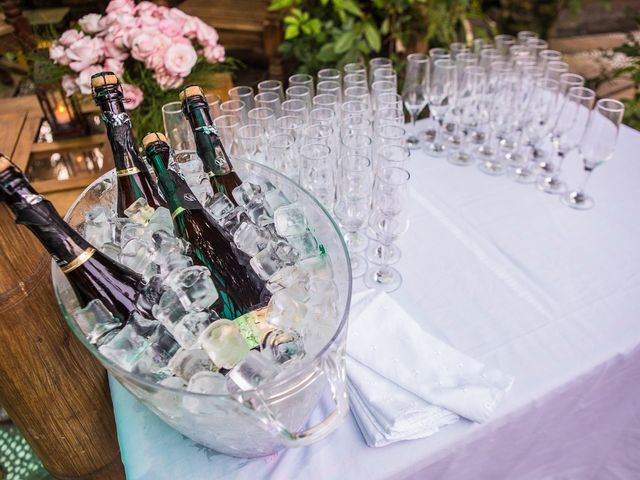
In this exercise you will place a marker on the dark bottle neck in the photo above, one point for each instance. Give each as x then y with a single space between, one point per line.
116 119
174 188
208 144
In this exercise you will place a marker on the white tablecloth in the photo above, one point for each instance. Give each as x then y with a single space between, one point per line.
509 275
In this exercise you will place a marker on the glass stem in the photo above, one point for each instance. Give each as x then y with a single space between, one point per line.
587 175
413 118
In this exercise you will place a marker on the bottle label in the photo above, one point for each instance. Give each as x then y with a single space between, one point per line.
127 171
208 129
79 260
116 119
186 199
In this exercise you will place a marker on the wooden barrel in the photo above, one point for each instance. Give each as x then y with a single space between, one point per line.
54 390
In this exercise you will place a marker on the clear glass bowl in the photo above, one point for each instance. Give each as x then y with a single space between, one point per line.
274 416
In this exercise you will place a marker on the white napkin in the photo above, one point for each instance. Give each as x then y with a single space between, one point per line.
406 384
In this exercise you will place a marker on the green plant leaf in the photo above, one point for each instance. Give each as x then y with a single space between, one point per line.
384 28
344 41
291 20
280 5
327 53
373 37
292 31
352 7
315 25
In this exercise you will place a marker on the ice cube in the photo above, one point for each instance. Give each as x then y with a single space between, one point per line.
139 211
250 238
126 348
136 255
155 359
234 219
224 343
319 324
247 192
150 294
202 192
194 287
131 231
176 383
284 311
283 346
111 250
118 226
265 263
289 276
96 321
305 243
211 383
191 166
318 266
173 264
285 253
169 309
219 206
189 361
258 214
162 218
98 228
290 220
163 243
98 215
253 370
274 199
189 328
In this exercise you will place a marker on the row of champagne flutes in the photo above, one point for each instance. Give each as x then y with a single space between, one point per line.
499 104
341 137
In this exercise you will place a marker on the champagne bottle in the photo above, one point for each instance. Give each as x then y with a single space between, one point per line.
134 180
208 145
240 288
91 274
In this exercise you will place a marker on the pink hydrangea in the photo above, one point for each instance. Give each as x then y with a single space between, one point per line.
133 96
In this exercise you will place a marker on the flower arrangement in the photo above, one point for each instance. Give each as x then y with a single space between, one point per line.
153 49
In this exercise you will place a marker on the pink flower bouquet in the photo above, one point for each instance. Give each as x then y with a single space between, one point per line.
153 49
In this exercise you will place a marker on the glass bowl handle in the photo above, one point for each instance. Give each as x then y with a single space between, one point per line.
337 383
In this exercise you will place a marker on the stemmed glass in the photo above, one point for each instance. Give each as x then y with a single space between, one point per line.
281 155
441 97
414 92
471 94
569 127
317 173
597 146
353 206
388 220
252 143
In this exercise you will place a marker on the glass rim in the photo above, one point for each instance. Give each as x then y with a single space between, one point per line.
547 51
238 105
566 75
293 90
557 65
296 76
166 106
224 118
400 130
387 174
259 110
299 104
365 164
377 85
418 57
377 61
280 135
241 88
406 153
270 84
266 97
537 42
445 63
334 72
318 146
618 106
260 131
279 120
582 93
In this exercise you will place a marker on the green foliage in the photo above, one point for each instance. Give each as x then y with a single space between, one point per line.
330 33
632 105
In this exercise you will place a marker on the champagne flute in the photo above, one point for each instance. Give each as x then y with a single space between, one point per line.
414 92
597 147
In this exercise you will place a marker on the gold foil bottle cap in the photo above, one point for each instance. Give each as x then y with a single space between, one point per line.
104 78
191 91
154 137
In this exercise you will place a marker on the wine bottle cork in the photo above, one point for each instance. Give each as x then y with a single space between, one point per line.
103 78
154 137
191 91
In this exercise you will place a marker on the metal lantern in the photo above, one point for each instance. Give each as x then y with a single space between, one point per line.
63 113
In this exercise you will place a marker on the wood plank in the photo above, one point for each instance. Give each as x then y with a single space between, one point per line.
11 124
77 182
89 141
22 152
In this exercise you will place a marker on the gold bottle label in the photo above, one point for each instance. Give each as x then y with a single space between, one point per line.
79 260
127 171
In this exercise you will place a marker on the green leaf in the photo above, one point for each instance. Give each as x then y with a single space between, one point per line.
326 54
373 37
306 29
289 20
344 41
315 25
324 3
296 12
384 28
352 7
292 31
280 5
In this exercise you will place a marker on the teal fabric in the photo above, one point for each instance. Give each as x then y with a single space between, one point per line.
17 460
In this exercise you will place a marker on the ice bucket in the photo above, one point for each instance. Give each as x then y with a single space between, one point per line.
274 416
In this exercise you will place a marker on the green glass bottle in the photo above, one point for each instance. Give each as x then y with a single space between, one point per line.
241 290
208 145
134 180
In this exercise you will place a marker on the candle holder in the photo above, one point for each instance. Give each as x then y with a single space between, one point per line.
61 112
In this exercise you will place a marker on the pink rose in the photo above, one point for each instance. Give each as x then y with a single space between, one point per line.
170 28
146 8
92 23
58 54
113 52
206 35
133 96
166 81
190 27
84 79
177 17
115 66
70 36
86 51
214 54
147 43
180 59
119 26
121 7
69 85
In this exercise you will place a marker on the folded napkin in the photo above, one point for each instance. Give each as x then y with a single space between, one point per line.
406 384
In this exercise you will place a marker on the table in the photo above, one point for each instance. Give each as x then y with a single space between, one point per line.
514 278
